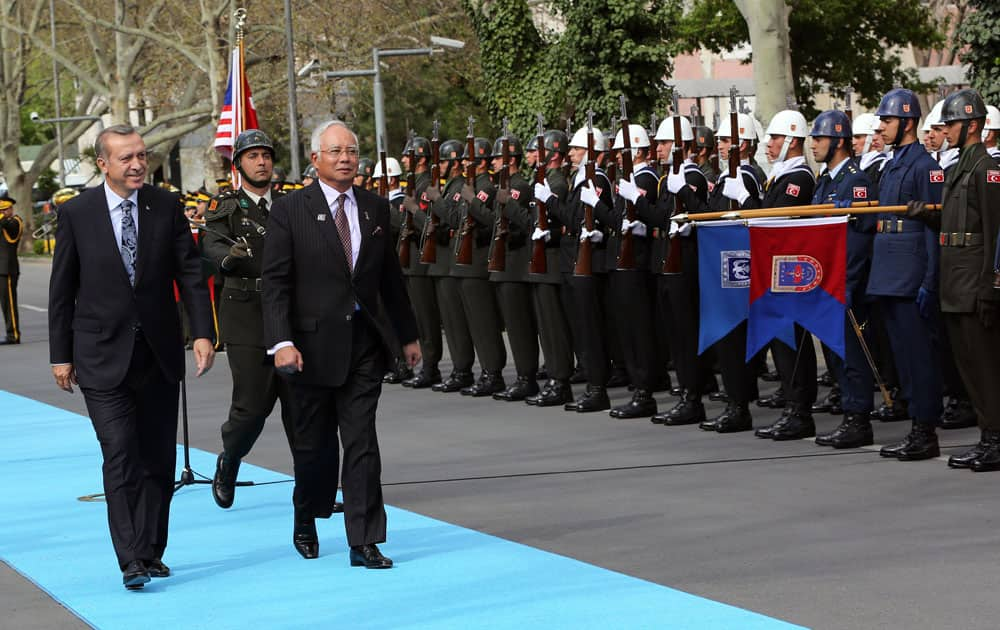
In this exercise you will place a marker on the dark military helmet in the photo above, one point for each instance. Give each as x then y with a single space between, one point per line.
832 124
513 147
451 150
279 174
251 139
899 103
366 166
309 172
556 141
481 148
421 146
963 105
703 137
532 144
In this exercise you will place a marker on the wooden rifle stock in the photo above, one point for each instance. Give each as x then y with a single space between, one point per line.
498 253
734 147
428 237
673 263
538 263
626 256
463 249
585 248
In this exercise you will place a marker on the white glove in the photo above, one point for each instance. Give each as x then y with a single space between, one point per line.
680 229
637 228
735 189
595 237
588 195
628 189
676 181
542 192
541 235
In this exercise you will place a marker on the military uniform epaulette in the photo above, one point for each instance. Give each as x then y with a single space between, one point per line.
223 204
851 169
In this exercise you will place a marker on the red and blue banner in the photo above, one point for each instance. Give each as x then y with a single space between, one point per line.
798 275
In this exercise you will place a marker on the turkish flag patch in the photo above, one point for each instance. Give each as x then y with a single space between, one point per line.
457 197
515 194
993 177
792 190
860 192
937 177
423 197
482 196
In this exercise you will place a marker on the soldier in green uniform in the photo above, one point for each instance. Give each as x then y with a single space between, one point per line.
704 144
236 225
438 226
11 228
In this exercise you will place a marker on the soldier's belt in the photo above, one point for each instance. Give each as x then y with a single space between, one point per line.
895 226
242 284
959 239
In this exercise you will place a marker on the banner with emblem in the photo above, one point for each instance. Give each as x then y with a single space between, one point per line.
723 279
798 275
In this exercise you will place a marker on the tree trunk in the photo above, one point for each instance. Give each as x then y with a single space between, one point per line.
767 22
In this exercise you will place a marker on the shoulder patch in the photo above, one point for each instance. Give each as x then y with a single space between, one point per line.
937 177
860 192
993 177
792 190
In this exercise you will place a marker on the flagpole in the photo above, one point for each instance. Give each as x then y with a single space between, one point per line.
239 109
815 210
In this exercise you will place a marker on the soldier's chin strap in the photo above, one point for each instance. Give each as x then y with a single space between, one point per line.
868 143
833 149
901 130
962 136
784 148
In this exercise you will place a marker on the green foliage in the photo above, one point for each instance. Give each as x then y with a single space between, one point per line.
834 43
47 183
608 47
977 41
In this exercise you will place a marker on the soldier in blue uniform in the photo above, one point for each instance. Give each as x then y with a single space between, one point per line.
904 274
843 183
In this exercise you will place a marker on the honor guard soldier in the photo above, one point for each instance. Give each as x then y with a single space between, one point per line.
791 183
868 145
366 166
991 132
587 292
509 258
551 298
704 149
308 175
416 159
968 223
472 215
237 223
677 271
11 228
904 274
439 228
394 193
935 141
842 183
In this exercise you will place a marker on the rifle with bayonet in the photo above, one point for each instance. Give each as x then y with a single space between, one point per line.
428 238
849 110
467 233
585 248
407 230
626 256
673 263
498 253
734 147
612 161
538 263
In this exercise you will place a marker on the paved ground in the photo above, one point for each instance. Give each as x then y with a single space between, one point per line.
822 538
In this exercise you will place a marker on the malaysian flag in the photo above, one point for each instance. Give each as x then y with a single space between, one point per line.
238 113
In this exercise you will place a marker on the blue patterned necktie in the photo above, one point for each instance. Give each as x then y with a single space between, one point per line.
129 240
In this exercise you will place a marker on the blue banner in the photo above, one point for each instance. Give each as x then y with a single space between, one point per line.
723 279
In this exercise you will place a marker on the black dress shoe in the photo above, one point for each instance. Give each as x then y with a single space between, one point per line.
619 378
735 419
798 425
920 443
489 383
990 458
578 376
519 390
454 383
686 411
958 414
594 399
157 569
774 401
642 405
830 404
135 575
304 537
224 481
424 379
719 396
369 557
555 393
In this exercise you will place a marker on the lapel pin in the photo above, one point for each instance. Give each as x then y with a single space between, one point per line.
321 217
377 230
366 216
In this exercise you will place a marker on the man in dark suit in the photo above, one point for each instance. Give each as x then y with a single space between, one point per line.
331 281
115 331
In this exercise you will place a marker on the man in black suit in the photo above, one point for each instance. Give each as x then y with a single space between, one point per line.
331 281
115 331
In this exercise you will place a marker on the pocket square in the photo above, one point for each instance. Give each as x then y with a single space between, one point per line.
377 231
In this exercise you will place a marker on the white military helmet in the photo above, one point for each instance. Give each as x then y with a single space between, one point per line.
391 166
666 130
864 125
638 136
790 124
579 140
747 131
934 117
992 120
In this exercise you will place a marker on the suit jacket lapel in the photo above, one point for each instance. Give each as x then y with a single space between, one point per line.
147 227
319 212
106 232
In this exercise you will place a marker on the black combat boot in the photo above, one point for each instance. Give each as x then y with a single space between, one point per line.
455 382
489 383
554 393
895 413
964 460
774 401
619 378
920 443
523 387
825 379
854 432
424 379
734 419
830 404
958 414
798 425
765 432
642 405
688 410
594 399
990 459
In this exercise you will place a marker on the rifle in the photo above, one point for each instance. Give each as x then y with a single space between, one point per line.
673 263
734 147
383 180
585 249
498 253
428 237
612 154
538 264
626 257
467 235
407 231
